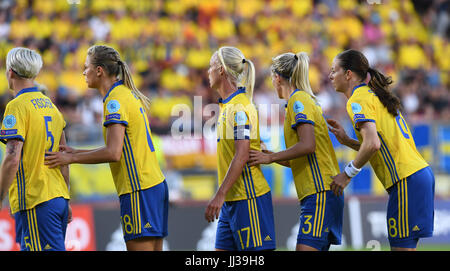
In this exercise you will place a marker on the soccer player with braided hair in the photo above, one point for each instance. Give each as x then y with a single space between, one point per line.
128 149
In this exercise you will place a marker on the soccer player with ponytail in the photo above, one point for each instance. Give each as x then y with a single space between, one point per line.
385 140
129 149
309 153
243 198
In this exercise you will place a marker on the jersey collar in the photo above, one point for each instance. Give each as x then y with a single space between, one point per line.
25 90
120 82
358 86
294 92
238 91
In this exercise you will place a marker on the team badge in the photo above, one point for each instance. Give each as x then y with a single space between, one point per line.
241 118
356 108
113 106
9 121
298 107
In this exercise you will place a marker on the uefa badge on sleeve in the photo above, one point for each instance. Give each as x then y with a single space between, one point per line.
9 121
113 106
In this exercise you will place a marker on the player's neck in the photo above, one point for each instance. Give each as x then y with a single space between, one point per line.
106 85
226 89
286 91
351 86
18 85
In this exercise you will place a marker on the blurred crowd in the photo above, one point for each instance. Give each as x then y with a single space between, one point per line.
168 45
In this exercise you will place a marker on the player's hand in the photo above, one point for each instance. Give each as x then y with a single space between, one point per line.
67 149
340 181
257 158
337 130
55 159
214 206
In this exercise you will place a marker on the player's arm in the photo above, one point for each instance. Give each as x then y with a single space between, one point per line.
306 145
234 171
254 156
342 136
369 146
111 152
66 175
9 166
64 168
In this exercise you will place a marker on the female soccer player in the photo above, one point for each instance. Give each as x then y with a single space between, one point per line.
243 199
32 125
309 154
128 148
385 140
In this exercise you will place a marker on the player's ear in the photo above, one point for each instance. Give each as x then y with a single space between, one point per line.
9 73
278 78
99 71
348 74
221 70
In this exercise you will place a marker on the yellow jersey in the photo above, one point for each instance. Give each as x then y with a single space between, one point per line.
138 167
33 118
312 173
398 157
238 120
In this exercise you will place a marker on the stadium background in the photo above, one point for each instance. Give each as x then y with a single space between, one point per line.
168 44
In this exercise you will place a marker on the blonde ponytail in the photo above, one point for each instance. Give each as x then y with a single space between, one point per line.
240 70
300 74
295 69
129 83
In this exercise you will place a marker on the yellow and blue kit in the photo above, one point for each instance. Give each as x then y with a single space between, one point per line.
246 218
39 195
138 178
400 168
321 214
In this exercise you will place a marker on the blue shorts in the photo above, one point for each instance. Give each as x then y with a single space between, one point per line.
321 220
145 212
410 212
43 228
246 225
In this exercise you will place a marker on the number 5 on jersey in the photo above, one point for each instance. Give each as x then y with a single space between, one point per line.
48 119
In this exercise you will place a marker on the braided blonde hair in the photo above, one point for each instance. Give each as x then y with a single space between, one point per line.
109 59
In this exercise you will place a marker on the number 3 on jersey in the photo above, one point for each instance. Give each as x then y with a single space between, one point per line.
48 119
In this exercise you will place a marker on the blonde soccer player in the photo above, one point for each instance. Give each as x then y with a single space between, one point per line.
309 153
129 149
243 198
32 125
385 140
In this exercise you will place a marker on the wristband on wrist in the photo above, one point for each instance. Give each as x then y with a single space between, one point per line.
351 170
